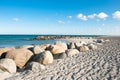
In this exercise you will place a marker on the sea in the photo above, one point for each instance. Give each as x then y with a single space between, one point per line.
20 40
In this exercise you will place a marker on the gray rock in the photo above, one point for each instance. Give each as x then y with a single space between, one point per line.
8 65
59 56
99 40
35 66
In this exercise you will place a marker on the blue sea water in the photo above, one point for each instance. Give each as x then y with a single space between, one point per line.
19 40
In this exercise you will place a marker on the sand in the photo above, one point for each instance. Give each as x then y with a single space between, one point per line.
100 64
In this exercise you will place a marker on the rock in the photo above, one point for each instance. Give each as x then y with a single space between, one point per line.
92 46
70 52
48 37
36 50
4 50
8 65
45 57
26 46
62 45
59 56
44 46
99 44
20 56
42 38
99 40
56 49
5 75
83 48
107 40
35 66
71 45
1 71
79 44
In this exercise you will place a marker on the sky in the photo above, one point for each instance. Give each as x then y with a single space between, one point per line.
68 17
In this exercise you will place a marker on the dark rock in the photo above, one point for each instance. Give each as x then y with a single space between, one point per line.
59 56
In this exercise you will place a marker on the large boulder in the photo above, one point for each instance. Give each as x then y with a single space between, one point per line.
26 46
8 65
4 75
45 57
79 44
56 49
4 50
71 52
83 48
62 45
71 45
20 56
44 46
92 46
35 66
59 56
36 49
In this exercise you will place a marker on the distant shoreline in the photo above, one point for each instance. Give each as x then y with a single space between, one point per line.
56 34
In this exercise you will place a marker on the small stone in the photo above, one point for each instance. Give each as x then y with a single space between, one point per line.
99 40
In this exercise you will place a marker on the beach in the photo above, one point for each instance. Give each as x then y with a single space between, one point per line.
102 63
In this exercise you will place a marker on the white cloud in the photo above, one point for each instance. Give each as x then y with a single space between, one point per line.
70 17
92 16
116 15
102 15
82 17
16 19
61 22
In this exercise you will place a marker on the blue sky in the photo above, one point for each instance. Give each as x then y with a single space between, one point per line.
81 17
